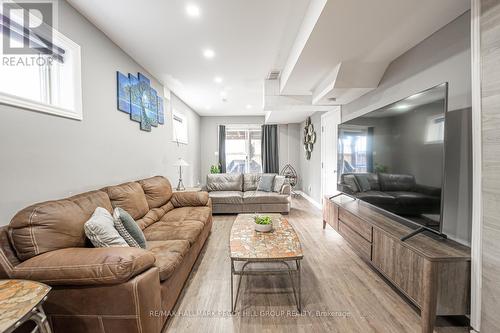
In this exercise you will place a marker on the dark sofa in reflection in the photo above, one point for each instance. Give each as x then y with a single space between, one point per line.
399 194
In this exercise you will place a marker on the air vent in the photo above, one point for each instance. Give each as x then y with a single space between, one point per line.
273 75
332 99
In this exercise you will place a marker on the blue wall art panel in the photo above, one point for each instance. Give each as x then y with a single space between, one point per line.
137 97
123 88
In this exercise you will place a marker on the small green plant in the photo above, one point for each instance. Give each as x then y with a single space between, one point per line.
264 220
214 169
380 168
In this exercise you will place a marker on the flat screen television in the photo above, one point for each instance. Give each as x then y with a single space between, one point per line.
393 158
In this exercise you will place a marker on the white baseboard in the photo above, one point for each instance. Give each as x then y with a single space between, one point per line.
311 200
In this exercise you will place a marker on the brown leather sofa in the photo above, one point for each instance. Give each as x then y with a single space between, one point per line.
107 290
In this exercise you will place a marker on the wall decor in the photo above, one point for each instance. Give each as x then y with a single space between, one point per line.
140 100
179 127
123 89
309 137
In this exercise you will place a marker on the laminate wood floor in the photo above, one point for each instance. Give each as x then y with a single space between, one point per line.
340 292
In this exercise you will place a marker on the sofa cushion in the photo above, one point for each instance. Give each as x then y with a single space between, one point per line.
101 231
158 191
189 199
201 214
169 255
409 199
86 266
394 182
376 198
227 197
251 181
266 183
185 230
123 220
258 197
154 215
225 182
54 225
129 196
351 181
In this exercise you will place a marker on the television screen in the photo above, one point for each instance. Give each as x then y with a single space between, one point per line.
393 157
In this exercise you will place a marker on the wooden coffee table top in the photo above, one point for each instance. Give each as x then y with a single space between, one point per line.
17 299
282 243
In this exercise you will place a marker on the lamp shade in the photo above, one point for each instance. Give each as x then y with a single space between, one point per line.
181 162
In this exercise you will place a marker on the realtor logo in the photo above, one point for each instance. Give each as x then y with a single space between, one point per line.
27 27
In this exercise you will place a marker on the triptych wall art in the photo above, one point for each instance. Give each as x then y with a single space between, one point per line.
137 98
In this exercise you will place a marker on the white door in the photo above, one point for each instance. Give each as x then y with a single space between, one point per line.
329 137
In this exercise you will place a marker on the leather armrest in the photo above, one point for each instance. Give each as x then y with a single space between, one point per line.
429 190
189 199
286 189
85 266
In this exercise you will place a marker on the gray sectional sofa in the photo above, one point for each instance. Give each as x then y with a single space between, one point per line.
237 193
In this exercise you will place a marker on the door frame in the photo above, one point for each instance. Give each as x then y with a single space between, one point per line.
335 109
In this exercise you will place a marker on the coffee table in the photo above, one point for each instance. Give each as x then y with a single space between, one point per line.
282 245
21 301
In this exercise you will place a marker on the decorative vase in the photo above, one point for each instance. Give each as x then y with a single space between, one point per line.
263 227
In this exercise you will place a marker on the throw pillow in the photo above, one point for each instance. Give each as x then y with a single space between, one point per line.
131 226
266 183
279 181
363 183
100 229
123 231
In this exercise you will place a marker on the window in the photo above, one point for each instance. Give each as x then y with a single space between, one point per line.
435 130
48 81
179 126
353 147
243 149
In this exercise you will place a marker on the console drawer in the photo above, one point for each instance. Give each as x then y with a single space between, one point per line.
356 224
361 245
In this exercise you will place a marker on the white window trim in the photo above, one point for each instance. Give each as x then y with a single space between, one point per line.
77 112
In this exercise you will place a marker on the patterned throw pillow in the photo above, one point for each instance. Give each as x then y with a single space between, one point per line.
130 226
279 181
101 231
266 183
123 231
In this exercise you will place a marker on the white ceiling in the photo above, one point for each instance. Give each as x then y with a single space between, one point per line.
249 37
324 48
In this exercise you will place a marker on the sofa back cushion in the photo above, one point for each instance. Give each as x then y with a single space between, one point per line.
54 225
225 182
251 181
367 181
129 196
394 182
158 191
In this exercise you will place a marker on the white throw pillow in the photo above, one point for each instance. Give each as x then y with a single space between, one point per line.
279 181
101 231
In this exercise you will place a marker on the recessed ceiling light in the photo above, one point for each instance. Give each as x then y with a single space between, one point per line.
208 53
248 106
402 107
193 10
218 79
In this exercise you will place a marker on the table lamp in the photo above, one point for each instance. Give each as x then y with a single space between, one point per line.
180 163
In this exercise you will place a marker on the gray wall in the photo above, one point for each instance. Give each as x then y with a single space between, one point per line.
46 157
310 170
442 57
209 139
290 145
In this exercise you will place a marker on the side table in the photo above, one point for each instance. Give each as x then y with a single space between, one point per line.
21 301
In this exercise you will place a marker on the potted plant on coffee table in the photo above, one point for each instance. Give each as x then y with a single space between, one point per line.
263 223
